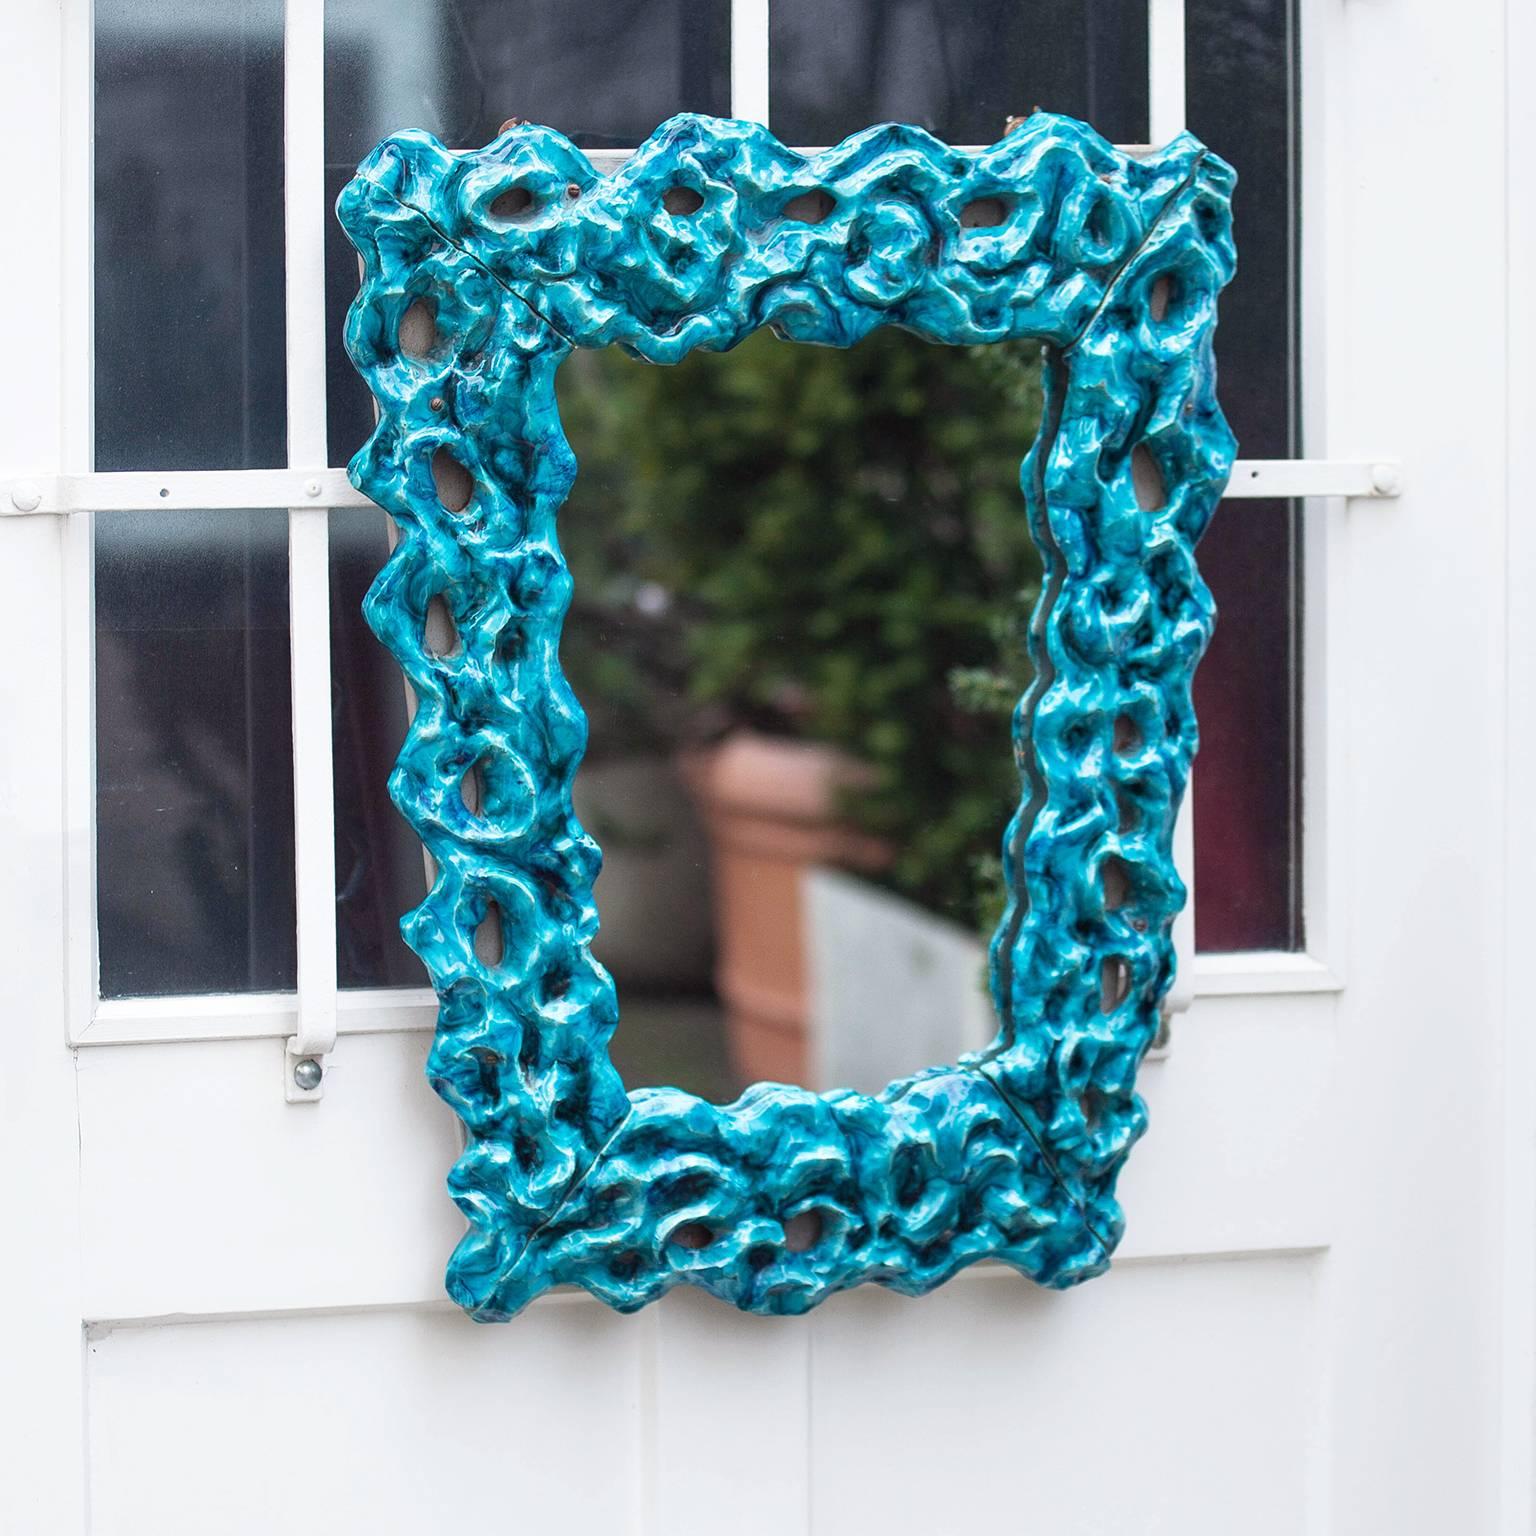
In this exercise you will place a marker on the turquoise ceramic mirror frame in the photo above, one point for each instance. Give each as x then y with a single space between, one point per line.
482 271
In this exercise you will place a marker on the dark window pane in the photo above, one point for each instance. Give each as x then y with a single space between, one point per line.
189 235
1247 858
194 758
1247 805
380 866
958 70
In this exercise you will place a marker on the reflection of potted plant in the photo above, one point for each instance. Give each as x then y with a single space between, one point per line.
774 808
812 574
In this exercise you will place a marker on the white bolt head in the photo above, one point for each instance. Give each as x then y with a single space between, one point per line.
311 487
1385 479
26 496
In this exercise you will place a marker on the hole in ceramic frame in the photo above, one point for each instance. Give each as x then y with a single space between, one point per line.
490 940
1114 983
692 1236
419 335
1127 812
681 201
440 635
1099 226
1115 876
513 204
984 213
814 207
455 485
472 788
1147 480
803 1231
1090 1105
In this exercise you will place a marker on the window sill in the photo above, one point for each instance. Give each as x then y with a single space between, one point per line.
375 1011
1257 973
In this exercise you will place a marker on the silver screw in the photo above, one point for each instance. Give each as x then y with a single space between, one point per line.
307 1074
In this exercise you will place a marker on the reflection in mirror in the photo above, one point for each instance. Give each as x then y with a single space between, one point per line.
803 580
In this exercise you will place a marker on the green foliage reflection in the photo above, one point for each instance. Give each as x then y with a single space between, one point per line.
823 543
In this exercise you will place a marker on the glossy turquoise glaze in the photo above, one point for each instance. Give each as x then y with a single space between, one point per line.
522 251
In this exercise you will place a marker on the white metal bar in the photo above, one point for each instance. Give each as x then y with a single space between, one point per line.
1372 479
1166 104
309 607
749 60
220 490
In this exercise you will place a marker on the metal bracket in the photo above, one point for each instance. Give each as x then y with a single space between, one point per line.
303 1073
1353 479
306 1051
218 490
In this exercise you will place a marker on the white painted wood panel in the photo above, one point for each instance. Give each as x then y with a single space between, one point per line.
393 1423
729 1439
1167 1398
202 1192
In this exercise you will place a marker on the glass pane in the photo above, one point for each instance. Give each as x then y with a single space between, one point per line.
194 757
380 864
1247 782
802 582
606 74
189 235
958 70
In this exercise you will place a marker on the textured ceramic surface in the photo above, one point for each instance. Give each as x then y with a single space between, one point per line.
521 251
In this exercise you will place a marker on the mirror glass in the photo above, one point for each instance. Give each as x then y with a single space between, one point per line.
803 582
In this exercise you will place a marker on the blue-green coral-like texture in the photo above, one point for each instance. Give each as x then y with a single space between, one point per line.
521 251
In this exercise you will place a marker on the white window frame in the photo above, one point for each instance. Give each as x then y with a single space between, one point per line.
312 1016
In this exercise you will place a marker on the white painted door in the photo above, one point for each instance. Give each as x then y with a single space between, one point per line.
223 1310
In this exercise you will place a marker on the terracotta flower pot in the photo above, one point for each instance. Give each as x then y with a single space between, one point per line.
773 809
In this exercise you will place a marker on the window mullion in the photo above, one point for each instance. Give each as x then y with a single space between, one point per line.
309 535
1166 113
749 60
